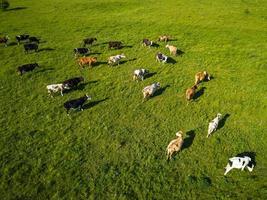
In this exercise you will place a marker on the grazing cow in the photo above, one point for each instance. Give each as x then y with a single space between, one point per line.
34 39
200 76
239 163
76 103
139 74
53 88
3 40
175 145
87 61
115 44
164 38
160 57
149 91
23 37
30 47
115 59
88 41
147 42
213 125
26 68
80 51
173 49
190 92
73 82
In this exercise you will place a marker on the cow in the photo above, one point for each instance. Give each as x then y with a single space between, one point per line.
149 91
160 57
23 37
76 103
26 68
53 88
147 42
201 76
115 59
164 38
173 49
190 92
213 125
4 40
33 39
139 74
30 47
73 82
175 145
88 41
239 163
81 51
115 44
87 61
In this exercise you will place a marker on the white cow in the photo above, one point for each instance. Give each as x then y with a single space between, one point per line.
53 88
148 91
213 125
139 74
115 59
239 163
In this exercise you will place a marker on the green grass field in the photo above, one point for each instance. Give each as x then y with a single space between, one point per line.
115 149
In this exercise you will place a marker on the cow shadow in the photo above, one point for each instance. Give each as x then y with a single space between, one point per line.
150 74
46 49
125 61
179 52
188 141
100 63
16 8
250 154
95 53
93 103
126 46
155 45
12 44
171 60
199 93
161 90
223 120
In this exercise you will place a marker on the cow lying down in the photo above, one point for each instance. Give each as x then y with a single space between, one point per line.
239 163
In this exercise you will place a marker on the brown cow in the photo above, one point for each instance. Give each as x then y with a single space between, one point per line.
87 61
190 92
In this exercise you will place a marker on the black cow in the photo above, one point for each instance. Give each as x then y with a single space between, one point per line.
80 51
22 38
147 42
73 82
26 68
76 103
88 41
115 44
34 39
30 47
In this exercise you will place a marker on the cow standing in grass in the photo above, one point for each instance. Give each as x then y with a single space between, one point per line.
76 103
4 40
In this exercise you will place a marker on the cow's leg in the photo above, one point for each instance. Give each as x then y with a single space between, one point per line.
61 91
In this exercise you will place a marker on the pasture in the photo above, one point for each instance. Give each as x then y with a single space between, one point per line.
116 147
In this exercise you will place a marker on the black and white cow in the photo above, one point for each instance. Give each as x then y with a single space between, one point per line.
30 47
81 51
76 103
88 41
239 163
115 44
73 82
3 40
160 57
21 38
147 42
26 68
139 74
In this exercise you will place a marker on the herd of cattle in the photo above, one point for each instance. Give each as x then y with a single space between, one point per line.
31 44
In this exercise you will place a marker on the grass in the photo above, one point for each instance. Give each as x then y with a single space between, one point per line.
115 149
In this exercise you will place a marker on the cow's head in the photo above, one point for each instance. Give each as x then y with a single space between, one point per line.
179 134
88 97
219 115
